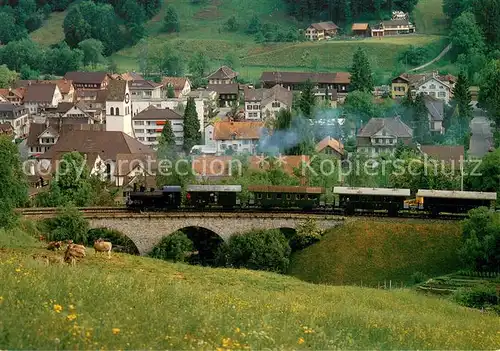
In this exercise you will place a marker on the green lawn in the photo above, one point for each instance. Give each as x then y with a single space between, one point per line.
52 30
370 252
130 302
429 17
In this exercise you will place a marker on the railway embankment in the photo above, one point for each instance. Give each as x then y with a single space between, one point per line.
376 252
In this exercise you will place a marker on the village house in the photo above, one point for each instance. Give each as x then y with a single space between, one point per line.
224 75
265 103
139 169
181 86
39 97
447 154
129 76
144 90
88 80
323 95
435 107
331 146
119 107
228 94
237 137
76 112
433 84
393 27
17 116
210 101
100 149
381 135
321 31
149 123
361 29
339 81
14 96
65 87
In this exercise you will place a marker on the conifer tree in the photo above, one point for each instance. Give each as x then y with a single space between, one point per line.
307 99
192 134
166 142
361 73
421 130
462 97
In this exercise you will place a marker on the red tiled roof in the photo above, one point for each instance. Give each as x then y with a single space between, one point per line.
237 130
330 142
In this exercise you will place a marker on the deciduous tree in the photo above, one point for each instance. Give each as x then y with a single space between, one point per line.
92 52
13 186
171 21
7 77
489 92
361 74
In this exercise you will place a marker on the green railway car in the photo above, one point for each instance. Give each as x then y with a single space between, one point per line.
270 196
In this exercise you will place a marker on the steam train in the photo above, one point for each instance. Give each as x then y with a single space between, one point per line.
348 201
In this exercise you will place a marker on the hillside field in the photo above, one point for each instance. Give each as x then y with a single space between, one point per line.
371 252
202 29
130 302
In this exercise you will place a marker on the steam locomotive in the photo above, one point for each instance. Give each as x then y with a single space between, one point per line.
349 201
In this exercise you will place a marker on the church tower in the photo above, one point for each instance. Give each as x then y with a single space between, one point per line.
119 108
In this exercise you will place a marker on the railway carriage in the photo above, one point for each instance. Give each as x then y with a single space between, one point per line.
203 196
271 196
167 198
448 201
371 199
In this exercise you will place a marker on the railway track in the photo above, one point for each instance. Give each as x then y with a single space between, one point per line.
330 212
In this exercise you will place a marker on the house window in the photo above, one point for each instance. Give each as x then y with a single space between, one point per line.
117 111
111 111
259 196
442 94
140 139
250 107
139 123
433 86
288 196
139 130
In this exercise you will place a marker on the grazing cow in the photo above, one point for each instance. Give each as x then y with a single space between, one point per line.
54 245
103 246
73 252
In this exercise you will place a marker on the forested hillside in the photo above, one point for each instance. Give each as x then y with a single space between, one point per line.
345 11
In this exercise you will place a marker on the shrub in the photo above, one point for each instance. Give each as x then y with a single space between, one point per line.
307 234
479 296
418 277
69 224
120 242
266 250
173 247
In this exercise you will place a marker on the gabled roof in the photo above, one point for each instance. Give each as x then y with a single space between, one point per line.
223 73
332 143
19 92
64 107
237 130
126 163
36 129
435 107
116 90
10 107
360 26
153 113
40 93
103 143
444 152
397 22
324 26
127 76
86 77
253 94
394 124
5 128
177 82
277 93
224 88
302 77
143 85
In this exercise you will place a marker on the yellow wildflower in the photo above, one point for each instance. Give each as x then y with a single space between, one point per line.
71 317
300 341
237 330
116 331
58 308
71 307
18 269
1 299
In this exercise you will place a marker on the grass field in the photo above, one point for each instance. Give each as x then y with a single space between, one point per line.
370 252
202 29
130 302
429 17
52 30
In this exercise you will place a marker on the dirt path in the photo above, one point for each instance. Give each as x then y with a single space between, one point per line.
438 57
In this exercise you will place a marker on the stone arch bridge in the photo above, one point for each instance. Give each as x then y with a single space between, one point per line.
147 230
